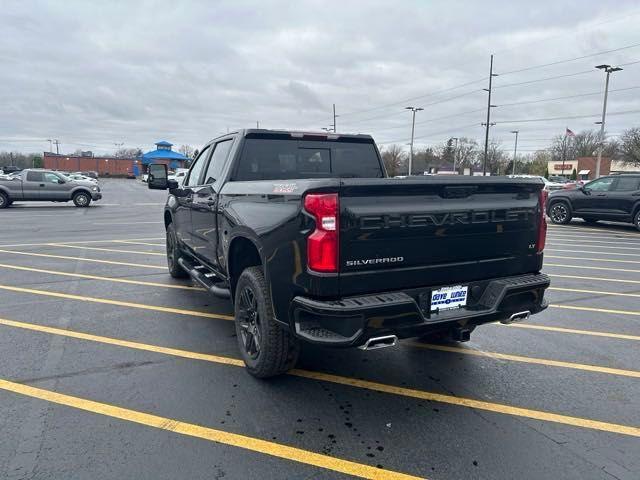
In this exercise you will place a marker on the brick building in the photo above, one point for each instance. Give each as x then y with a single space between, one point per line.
114 166
585 167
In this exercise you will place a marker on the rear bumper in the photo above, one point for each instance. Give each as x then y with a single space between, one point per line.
352 321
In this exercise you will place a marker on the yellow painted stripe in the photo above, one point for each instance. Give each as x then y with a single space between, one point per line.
141 243
592 309
82 259
472 403
553 243
98 277
205 433
598 279
356 383
552 240
592 252
589 267
531 360
619 336
582 229
156 308
594 292
584 259
78 242
100 249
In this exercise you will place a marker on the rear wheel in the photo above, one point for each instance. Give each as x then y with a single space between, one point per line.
636 220
560 212
81 199
4 200
173 254
266 348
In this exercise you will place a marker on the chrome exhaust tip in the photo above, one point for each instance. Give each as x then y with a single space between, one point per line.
517 317
379 342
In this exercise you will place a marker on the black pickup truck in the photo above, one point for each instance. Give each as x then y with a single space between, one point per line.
311 241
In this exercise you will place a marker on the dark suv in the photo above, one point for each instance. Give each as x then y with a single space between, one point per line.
614 198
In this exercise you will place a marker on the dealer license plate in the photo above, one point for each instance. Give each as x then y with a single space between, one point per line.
449 297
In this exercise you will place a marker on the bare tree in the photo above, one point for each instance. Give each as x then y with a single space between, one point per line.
394 159
630 146
466 153
186 150
586 144
128 153
425 158
496 158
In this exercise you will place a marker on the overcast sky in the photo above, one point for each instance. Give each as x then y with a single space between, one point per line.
92 74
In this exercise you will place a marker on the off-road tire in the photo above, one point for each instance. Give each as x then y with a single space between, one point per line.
4 201
636 220
560 212
82 199
278 351
173 254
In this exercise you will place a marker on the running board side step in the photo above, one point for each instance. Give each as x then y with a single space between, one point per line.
205 277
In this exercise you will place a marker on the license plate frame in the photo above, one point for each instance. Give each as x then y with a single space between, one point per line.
449 298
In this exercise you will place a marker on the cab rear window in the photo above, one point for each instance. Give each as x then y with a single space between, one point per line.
278 159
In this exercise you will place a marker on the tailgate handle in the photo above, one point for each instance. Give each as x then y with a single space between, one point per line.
458 192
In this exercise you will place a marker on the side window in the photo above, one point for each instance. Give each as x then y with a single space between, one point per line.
600 185
627 184
35 177
51 177
218 159
196 169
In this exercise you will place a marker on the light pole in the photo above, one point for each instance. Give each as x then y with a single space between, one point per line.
50 145
413 128
608 69
515 150
455 151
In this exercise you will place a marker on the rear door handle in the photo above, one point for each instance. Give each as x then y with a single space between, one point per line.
42 184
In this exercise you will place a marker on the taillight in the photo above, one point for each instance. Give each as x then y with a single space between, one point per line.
322 244
542 226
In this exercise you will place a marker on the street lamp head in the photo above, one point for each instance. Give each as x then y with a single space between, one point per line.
615 69
515 131
604 66
408 108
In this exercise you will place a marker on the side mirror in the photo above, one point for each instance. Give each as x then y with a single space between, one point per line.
158 177
60 181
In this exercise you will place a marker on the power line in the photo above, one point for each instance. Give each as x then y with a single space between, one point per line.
544 79
542 100
558 62
573 117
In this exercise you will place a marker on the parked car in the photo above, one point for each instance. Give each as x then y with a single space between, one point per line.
558 179
614 198
548 185
312 243
47 185
75 176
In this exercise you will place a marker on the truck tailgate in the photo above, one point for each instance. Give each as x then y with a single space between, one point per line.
399 234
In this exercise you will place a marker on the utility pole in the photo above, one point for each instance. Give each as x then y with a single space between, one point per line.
413 128
609 69
515 150
50 145
488 124
334 118
57 144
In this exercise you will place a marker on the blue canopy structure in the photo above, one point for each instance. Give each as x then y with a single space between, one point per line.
164 152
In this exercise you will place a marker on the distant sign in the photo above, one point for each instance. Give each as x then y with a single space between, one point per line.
567 166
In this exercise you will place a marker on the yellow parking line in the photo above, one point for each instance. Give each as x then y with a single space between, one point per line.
97 277
592 252
141 306
589 267
620 336
592 309
598 279
599 230
100 249
82 259
595 292
141 243
78 243
584 259
219 436
552 240
357 383
532 360
552 243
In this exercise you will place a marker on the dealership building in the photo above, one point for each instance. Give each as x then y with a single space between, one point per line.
585 167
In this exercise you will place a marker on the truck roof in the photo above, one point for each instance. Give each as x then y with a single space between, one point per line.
293 134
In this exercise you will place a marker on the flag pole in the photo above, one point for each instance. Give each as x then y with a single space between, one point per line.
564 150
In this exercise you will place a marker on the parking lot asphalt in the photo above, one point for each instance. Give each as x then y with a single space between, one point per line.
109 368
